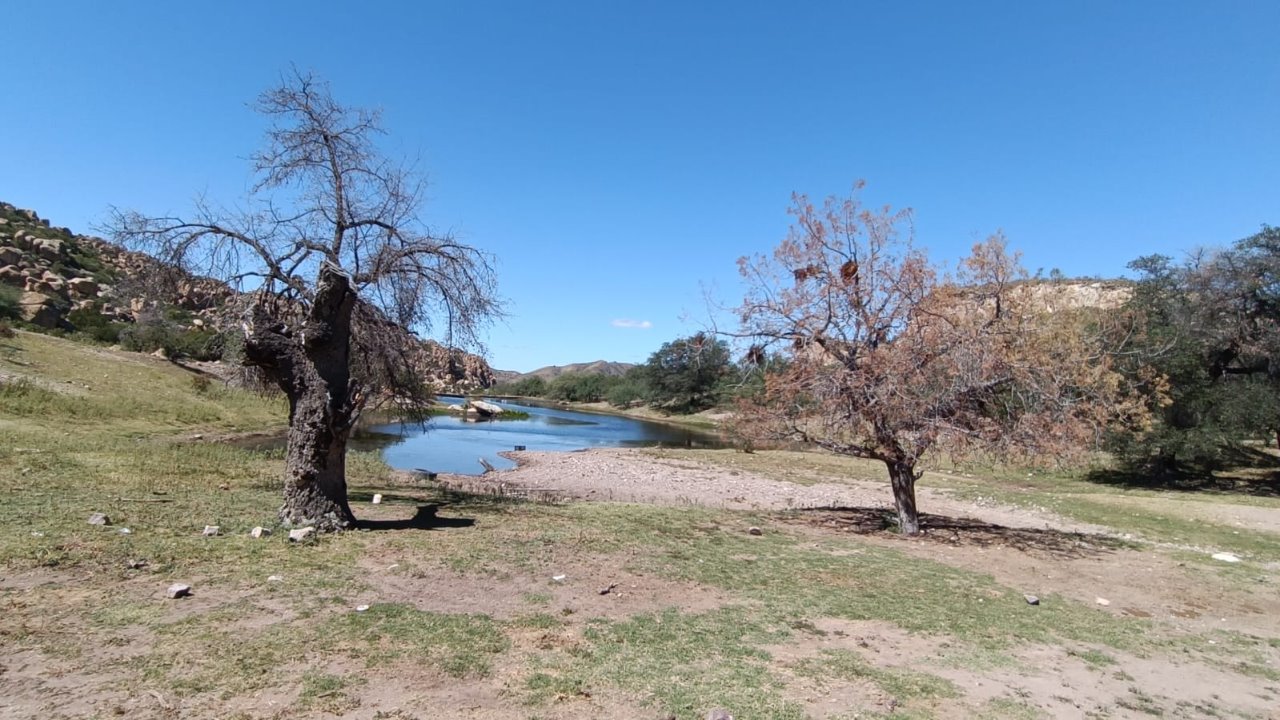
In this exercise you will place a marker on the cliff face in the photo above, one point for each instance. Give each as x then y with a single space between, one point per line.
61 277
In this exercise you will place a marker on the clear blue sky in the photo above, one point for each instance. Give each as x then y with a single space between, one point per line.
618 157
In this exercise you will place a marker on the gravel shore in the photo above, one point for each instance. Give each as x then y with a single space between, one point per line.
630 475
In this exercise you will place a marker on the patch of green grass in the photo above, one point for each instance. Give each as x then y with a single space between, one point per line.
325 692
460 645
539 599
684 663
902 684
1096 658
1009 709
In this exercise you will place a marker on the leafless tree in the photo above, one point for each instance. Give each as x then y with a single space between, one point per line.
335 264
885 358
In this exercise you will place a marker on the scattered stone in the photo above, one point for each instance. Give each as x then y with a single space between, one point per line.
719 714
754 531
125 531
197 436
377 498
1226 557
178 590
137 564
558 578
1031 599
607 590
301 534
211 530
275 578
99 519
36 533
259 532
361 608
1102 601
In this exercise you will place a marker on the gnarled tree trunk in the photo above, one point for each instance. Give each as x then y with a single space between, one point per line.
902 476
312 365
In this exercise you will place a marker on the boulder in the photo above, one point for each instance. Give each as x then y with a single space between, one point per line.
48 248
486 408
178 590
39 309
11 275
10 256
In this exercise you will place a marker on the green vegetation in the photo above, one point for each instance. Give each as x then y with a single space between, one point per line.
682 377
1206 351
9 298
704 614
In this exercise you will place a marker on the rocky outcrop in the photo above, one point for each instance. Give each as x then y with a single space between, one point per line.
57 272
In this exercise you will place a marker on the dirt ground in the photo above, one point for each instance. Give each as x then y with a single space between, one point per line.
1032 551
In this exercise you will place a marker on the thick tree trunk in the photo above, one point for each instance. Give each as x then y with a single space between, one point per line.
312 365
902 476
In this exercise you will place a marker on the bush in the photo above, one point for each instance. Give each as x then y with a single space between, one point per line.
581 387
91 323
6 330
9 302
154 332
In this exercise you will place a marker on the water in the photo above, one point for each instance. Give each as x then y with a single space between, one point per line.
450 444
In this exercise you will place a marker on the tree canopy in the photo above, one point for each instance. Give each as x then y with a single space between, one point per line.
334 258
887 358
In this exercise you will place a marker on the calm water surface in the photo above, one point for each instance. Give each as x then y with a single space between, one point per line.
451 444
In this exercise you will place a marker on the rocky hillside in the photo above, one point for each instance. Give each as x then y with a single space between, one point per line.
66 282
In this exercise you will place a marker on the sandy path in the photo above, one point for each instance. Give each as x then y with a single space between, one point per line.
628 475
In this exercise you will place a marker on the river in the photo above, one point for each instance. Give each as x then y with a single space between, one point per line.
452 444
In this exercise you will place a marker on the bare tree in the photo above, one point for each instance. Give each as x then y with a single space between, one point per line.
887 359
337 265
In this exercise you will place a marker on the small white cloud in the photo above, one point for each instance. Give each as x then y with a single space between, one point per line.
634 324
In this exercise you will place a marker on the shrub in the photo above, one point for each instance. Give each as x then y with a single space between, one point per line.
6 330
9 302
154 332
91 323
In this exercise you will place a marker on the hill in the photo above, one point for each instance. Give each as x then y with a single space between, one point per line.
551 372
85 286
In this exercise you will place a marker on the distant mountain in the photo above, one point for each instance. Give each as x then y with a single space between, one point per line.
551 372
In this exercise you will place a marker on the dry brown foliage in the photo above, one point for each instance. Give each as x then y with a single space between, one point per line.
888 358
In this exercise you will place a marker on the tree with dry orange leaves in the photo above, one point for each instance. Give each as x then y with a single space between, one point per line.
887 358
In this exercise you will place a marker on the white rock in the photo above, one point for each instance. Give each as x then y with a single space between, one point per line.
125 531
99 519
1031 599
301 534
178 590
1226 557
211 530
754 531
259 532
377 498
559 578
361 608
1102 601
275 578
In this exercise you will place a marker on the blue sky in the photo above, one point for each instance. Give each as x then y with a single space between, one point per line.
618 157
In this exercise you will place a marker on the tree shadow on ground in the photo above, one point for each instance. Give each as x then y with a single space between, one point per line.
960 532
424 518
1252 472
